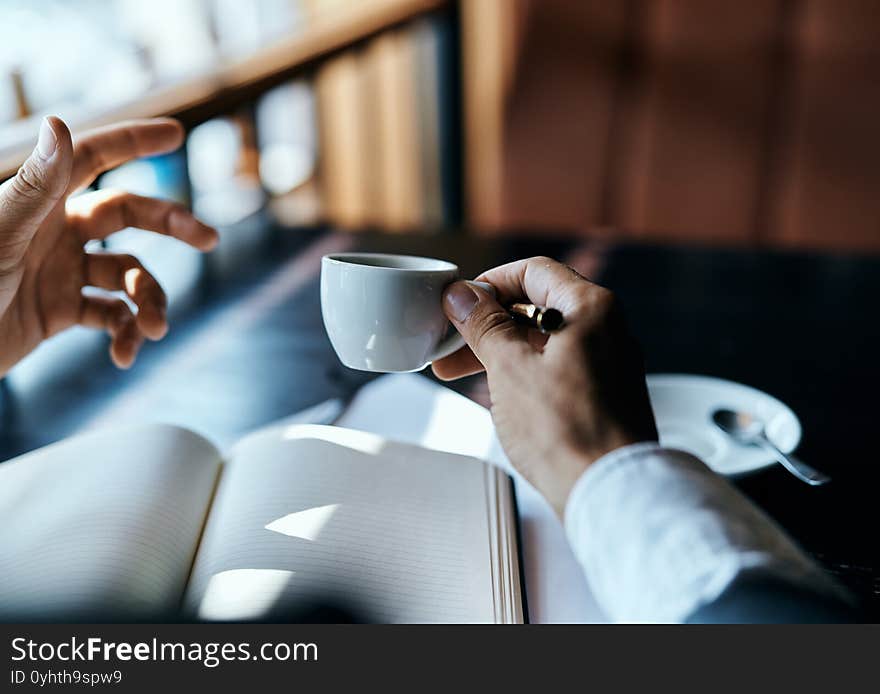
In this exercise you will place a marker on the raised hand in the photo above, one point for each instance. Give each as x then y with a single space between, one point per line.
43 232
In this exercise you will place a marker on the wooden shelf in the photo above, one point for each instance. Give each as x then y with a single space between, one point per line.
235 82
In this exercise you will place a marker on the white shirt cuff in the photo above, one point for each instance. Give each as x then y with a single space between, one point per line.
659 535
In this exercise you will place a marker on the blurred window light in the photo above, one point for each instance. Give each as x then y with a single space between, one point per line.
8 100
283 167
288 114
221 194
287 136
175 34
124 77
237 26
243 27
212 150
59 48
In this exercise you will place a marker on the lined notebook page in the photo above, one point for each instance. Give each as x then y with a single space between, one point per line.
394 532
104 524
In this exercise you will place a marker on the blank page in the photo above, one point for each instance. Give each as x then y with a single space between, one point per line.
322 515
104 525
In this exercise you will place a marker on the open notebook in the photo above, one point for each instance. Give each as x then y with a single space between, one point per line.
153 522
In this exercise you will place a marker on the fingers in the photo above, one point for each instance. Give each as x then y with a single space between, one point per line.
465 363
97 215
28 197
545 282
102 149
121 272
540 280
484 324
457 365
114 316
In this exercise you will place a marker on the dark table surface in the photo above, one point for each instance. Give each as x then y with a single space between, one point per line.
248 347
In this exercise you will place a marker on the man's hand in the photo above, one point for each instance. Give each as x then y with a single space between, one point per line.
43 262
559 403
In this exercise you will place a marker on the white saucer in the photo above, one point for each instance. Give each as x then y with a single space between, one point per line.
683 407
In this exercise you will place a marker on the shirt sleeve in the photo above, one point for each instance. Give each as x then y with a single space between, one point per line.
659 535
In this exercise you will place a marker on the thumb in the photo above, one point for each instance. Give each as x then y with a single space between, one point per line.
27 198
484 324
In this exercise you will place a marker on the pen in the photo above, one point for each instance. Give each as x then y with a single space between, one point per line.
547 320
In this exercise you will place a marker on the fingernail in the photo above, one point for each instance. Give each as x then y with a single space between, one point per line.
460 300
46 141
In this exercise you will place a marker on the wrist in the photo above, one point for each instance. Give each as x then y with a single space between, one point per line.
582 459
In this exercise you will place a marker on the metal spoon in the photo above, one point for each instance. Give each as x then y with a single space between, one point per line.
749 430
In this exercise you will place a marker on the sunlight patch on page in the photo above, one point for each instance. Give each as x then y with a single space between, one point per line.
356 440
305 524
243 594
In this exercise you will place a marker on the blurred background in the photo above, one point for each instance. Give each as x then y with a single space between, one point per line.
704 122
699 120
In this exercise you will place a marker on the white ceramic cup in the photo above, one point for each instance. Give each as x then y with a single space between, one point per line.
384 312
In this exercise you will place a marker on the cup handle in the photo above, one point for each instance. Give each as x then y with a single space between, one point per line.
454 341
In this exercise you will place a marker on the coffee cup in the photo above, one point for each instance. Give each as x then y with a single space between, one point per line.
384 312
